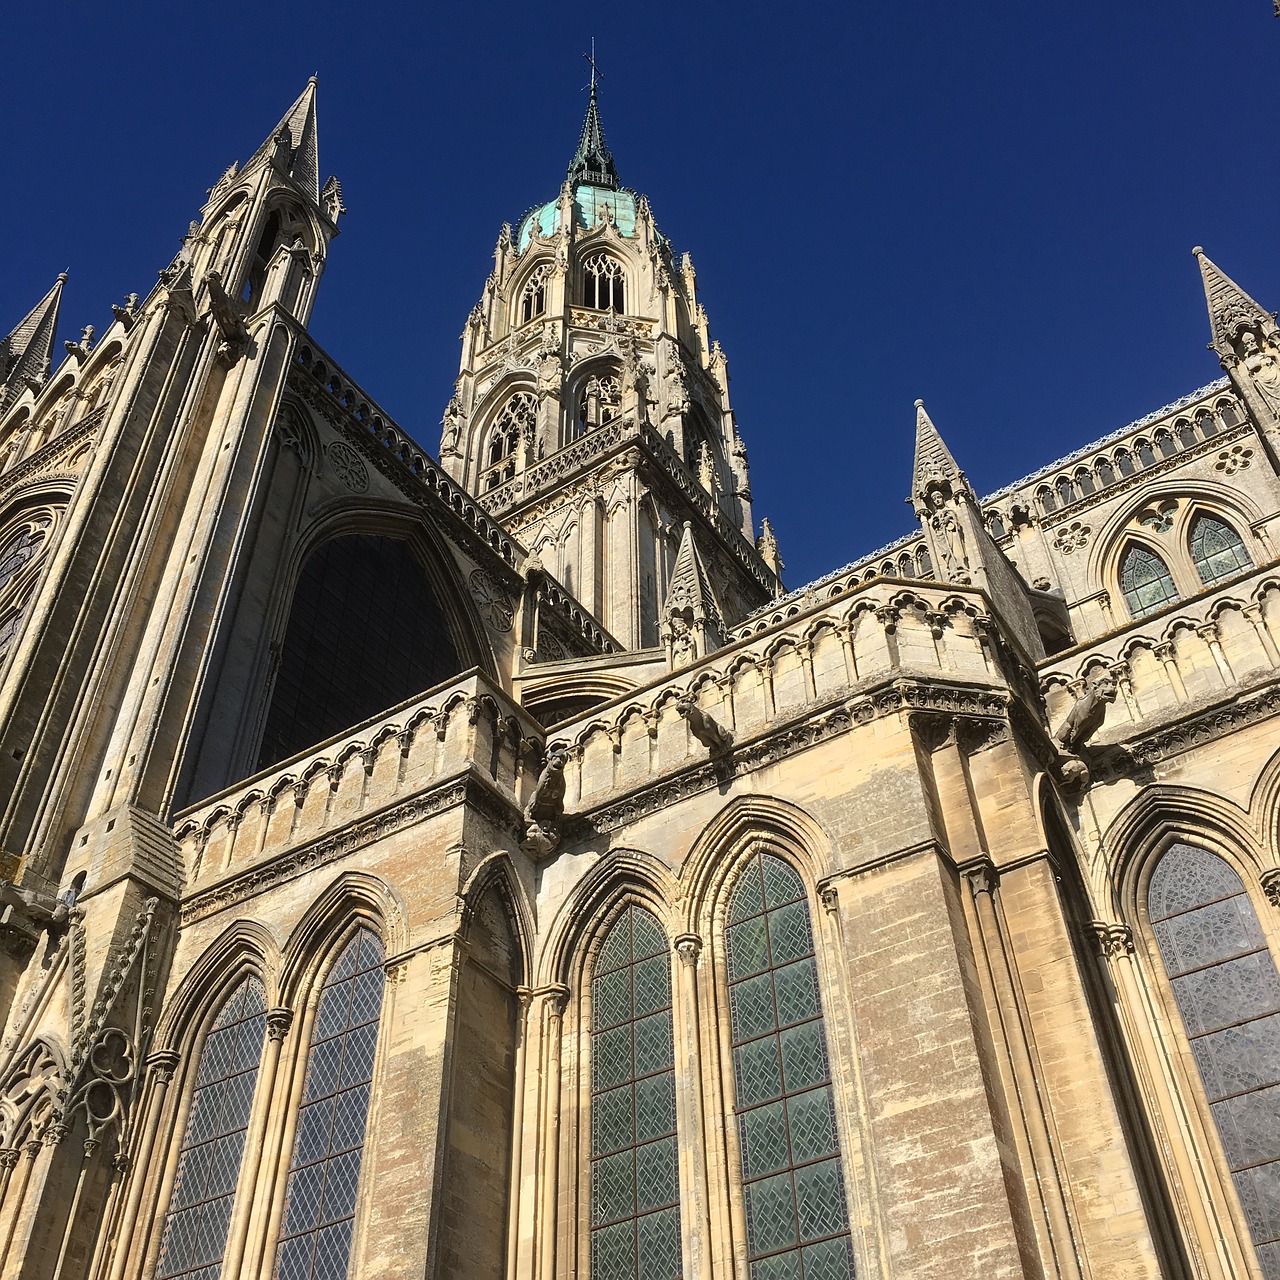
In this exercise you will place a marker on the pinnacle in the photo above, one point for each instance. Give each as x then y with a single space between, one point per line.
933 462
592 163
26 352
299 123
1231 310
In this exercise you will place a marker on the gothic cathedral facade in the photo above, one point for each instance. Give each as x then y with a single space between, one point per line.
481 867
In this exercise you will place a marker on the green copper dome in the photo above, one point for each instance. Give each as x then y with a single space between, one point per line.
589 206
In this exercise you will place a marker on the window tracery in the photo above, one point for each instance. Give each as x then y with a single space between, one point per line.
21 547
195 1227
533 298
1227 991
1145 581
635 1193
514 423
324 1173
1217 550
793 1183
603 283
599 402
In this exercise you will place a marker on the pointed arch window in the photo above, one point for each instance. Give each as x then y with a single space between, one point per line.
603 283
635 1191
599 401
324 1174
1227 990
533 298
797 1215
514 423
1145 581
195 1228
1217 550
20 548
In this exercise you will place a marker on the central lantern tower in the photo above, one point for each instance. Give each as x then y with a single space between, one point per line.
591 414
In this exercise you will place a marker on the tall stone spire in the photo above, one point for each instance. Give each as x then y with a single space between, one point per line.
592 163
293 145
1231 310
27 351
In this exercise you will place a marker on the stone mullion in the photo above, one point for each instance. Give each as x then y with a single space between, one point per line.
1166 651
554 1001
32 1150
524 998
1180 1137
1209 633
695 1190
1257 619
1023 1104
279 1020
128 1247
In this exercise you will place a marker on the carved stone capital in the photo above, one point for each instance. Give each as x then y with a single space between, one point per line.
163 1063
557 999
1271 885
279 1020
9 1157
688 947
1115 940
829 895
983 878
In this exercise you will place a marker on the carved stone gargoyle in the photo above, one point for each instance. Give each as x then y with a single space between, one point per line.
126 311
27 913
1082 722
545 810
717 740
79 350
229 319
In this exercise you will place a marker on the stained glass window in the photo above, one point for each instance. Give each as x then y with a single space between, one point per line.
315 1240
1228 992
15 553
1217 550
1145 581
635 1194
195 1228
797 1218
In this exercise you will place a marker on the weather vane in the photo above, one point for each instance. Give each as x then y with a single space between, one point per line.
590 62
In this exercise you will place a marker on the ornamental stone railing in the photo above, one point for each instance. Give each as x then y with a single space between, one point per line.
1190 659
463 741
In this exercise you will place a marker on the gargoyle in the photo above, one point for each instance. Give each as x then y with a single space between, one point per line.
78 350
27 913
545 809
716 739
124 312
227 316
1082 722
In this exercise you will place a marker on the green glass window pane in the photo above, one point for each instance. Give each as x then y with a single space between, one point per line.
654 1049
820 1198
781 1266
748 948
655 1106
611 1062
652 984
747 898
763 1134
658 1240
804 1056
611 997
1145 581
612 1126
613 1252
781 883
1217 550
771 1216
830 1260
797 988
756 1073
751 1008
790 937
635 1192
812 1125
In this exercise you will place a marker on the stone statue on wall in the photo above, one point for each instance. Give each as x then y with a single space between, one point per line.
1081 723
545 809
1264 368
950 538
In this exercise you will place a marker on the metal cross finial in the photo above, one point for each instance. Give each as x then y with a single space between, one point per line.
591 62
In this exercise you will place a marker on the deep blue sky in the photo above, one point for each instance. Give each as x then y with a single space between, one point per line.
990 206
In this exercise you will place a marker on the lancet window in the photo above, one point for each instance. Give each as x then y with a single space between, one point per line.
21 547
635 1193
797 1216
195 1228
1145 581
603 283
1217 550
533 299
1227 990
514 423
599 401
324 1174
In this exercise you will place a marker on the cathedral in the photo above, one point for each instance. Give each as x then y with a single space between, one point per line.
481 867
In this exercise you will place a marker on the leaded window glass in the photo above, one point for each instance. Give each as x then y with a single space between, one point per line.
324 1175
195 1228
635 1193
1228 993
9 628
1145 581
17 551
797 1217
1217 550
